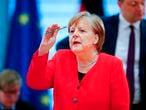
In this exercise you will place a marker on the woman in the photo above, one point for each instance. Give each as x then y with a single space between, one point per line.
83 78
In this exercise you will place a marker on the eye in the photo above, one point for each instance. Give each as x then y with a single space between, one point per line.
82 30
71 31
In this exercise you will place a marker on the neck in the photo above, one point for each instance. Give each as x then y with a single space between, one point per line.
87 65
87 60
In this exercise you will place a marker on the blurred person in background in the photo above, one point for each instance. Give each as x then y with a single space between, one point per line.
133 55
78 75
10 85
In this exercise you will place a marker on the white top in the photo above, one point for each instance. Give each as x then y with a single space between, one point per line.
122 50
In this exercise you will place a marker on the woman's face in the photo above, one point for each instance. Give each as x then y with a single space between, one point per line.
82 37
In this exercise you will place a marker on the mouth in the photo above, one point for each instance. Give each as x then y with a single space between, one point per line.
76 42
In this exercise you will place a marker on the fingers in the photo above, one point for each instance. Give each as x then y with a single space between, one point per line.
55 28
48 39
51 32
52 29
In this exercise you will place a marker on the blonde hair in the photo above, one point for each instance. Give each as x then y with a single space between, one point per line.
96 24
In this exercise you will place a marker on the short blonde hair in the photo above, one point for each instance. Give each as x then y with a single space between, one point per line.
96 24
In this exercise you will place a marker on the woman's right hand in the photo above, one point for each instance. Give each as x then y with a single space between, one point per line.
48 39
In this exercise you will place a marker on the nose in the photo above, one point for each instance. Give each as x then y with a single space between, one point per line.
75 34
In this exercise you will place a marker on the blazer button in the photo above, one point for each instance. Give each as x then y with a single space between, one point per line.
78 87
75 100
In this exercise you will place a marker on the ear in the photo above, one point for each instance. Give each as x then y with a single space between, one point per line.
96 39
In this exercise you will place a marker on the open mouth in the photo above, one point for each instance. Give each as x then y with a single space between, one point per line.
76 42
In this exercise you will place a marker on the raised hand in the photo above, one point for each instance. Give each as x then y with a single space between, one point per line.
48 39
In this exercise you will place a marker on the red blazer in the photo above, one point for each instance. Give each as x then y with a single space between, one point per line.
104 87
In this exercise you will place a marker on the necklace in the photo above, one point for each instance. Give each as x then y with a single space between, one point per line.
93 61
87 65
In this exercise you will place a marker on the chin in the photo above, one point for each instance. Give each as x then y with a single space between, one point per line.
76 50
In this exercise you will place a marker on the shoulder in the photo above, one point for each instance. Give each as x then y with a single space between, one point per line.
143 24
110 59
63 56
144 21
111 24
108 19
64 53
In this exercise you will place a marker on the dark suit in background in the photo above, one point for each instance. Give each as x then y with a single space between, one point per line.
132 13
21 105
111 30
